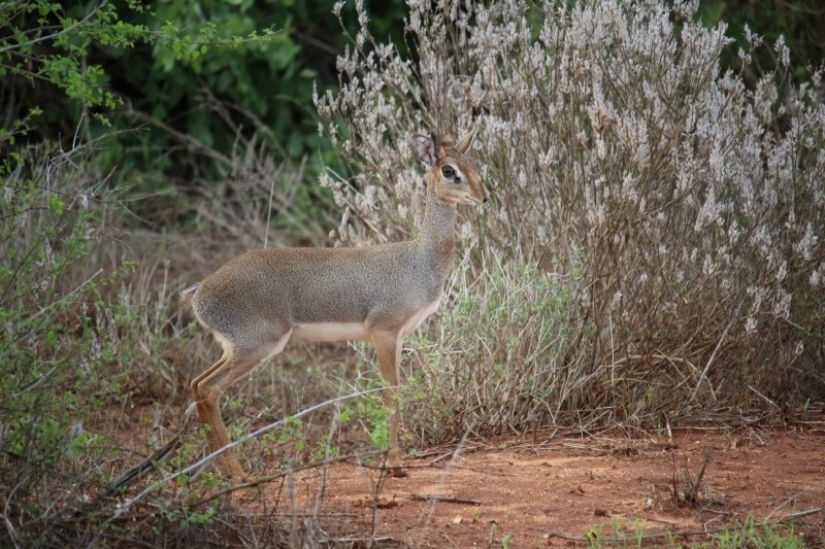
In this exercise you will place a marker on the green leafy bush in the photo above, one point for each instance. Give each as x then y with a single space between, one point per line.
50 343
81 336
46 48
197 78
801 23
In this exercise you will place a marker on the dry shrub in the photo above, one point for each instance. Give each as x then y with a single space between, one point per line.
495 363
688 205
260 202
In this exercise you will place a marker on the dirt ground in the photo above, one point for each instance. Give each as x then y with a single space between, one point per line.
549 490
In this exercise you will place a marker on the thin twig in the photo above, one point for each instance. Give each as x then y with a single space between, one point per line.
763 397
188 140
29 42
716 350
158 456
799 515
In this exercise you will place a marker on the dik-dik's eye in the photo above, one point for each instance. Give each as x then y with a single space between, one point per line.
448 172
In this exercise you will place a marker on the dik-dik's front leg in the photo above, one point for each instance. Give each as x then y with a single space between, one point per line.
388 349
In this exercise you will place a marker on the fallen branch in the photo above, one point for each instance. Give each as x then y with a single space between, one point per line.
445 499
150 463
185 471
801 514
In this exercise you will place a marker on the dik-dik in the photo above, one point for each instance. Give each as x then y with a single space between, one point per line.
258 301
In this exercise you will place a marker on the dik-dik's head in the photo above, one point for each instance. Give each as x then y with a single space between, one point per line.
454 175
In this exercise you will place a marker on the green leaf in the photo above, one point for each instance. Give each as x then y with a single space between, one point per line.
56 205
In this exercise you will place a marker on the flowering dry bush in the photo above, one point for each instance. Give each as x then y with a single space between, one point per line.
689 205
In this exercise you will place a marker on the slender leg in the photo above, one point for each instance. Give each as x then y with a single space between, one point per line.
193 385
208 387
388 349
206 414
207 390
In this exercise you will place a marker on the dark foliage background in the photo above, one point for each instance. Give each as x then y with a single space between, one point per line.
190 111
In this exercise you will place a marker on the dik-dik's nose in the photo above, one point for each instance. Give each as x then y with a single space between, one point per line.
485 197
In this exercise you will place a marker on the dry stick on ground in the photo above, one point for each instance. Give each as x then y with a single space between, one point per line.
493 532
444 499
366 542
382 477
450 465
799 515
267 479
158 456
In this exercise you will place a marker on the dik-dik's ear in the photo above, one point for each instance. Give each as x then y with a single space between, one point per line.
424 148
465 142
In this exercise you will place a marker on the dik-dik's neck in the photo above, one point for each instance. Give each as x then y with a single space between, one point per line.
438 232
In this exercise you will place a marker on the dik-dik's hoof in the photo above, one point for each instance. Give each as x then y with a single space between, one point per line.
237 478
397 472
235 473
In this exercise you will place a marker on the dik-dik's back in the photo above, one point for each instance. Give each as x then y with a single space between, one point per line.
307 286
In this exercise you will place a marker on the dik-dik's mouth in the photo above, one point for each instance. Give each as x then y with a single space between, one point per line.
473 201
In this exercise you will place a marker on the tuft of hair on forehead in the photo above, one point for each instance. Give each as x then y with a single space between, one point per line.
463 145
444 141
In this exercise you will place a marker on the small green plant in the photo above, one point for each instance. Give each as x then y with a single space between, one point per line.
594 538
759 534
372 414
184 516
291 432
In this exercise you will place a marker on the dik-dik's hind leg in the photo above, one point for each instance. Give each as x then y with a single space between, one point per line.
211 420
208 387
388 350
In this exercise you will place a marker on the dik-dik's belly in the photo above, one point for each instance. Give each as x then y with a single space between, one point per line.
348 331
330 331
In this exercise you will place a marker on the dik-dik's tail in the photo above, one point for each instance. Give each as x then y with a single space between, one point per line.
187 294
